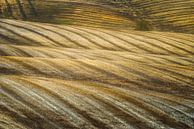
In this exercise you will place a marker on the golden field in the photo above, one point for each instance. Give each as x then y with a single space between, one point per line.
96 71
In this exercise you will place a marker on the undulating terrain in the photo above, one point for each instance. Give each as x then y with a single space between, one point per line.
89 67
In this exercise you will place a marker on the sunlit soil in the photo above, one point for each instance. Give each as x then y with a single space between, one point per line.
68 77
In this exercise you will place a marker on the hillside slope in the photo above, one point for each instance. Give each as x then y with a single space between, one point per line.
73 77
165 15
160 15
78 12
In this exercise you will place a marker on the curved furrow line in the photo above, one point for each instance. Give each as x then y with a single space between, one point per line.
80 89
27 67
157 112
124 97
60 34
106 21
169 60
101 23
178 8
170 36
186 37
55 42
111 106
20 51
51 59
8 111
173 99
127 73
151 69
152 59
7 122
135 37
171 11
191 61
176 76
172 74
100 39
158 82
175 113
72 108
46 104
144 59
167 70
124 41
101 36
164 47
160 2
56 53
101 74
112 73
87 37
17 99
140 96
97 19
153 66
46 52
5 39
76 95
89 73
6 52
180 74
175 19
161 8
9 67
78 39
148 43
107 73
175 45
180 108
29 40
46 70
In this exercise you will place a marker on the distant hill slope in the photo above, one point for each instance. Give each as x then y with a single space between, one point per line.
72 77
168 15
78 12
164 15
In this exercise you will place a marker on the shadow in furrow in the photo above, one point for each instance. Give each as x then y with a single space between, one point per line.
24 53
85 37
105 72
95 122
170 44
103 38
18 118
126 41
9 40
33 42
9 71
34 31
26 65
33 113
3 53
153 45
62 35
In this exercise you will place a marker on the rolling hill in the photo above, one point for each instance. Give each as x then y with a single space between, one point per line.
159 15
55 76
91 68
